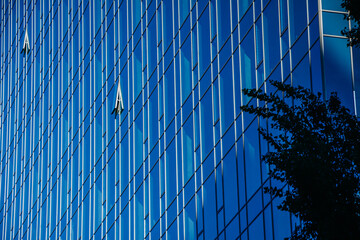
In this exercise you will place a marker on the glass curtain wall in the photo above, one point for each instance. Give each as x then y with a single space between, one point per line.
181 161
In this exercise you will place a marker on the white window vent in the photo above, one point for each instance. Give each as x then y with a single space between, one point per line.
26 47
119 104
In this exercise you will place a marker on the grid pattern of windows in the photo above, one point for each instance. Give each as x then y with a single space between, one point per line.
181 161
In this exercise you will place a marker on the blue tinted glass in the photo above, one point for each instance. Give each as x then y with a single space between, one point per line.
301 74
285 42
206 124
246 23
223 10
338 68
234 13
283 15
154 195
190 220
230 186
248 63
153 119
137 71
138 142
299 49
252 158
259 45
136 7
186 69
282 220
272 43
316 69
226 93
314 30
333 23
297 18
169 94
243 6
256 230
313 9
332 5
188 149
149 172
204 39
167 24
151 45
139 214
209 208
356 55
184 10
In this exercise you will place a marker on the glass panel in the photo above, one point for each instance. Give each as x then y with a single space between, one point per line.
167 23
356 62
188 149
299 49
223 10
138 142
252 159
226 95
301 74
186 85
271 34
281 221
206 124
248 64
169 94
204 41
259 46
209 208
243 6
332 5
283 15
338 69
316 69
190 220
230 186
333 23
297 18
256 230
171 172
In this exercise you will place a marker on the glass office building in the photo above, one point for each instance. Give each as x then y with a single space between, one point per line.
181 161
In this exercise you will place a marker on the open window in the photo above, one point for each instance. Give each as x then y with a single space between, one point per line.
119 104
26 47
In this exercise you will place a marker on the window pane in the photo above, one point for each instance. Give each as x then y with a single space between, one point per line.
252 159
248 63
271 34
334 23
338 70
223 20
204 41
227 100
297 18
332 5
188 149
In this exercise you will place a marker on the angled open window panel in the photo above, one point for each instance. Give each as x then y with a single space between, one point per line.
119 104
26 47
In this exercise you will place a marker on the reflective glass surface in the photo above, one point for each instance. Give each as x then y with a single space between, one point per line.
181 161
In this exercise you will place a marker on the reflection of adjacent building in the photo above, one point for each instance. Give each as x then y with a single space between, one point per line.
178 160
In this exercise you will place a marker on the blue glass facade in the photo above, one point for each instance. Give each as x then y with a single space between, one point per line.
181 161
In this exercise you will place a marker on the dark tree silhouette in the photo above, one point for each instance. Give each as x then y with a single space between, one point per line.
316 151
353 34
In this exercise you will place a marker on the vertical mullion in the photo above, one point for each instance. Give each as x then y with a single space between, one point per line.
92 128
82 120
41 119
321 32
